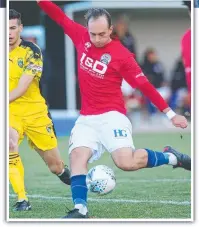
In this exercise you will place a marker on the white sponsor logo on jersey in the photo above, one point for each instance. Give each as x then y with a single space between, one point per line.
93 67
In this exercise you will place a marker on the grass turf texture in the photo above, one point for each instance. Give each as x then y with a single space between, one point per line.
161 192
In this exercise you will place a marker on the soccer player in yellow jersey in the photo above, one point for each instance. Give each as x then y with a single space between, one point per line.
28 112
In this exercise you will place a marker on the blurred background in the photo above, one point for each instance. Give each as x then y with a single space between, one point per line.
150 30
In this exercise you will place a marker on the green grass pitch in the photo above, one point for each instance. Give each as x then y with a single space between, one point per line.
162 192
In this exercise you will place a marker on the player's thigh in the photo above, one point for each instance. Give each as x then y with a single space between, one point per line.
84 143
40 133
116 132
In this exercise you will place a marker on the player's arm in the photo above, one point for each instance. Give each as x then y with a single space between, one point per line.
32 68
21 88
71 28
186 56
136 78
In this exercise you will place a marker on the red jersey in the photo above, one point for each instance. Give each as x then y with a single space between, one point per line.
101 70
186 56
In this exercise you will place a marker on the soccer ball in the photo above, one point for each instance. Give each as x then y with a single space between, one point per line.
100 180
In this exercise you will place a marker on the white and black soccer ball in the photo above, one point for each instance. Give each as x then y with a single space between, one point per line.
101 180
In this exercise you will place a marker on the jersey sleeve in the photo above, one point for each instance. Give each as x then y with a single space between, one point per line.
186 56
71 28
34 62
132 73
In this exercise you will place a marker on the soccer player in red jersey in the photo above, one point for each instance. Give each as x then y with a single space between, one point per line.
102 64
186 53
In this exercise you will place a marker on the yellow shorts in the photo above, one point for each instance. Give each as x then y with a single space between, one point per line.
39 131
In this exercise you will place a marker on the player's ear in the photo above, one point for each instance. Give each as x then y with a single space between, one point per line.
21 27
111 29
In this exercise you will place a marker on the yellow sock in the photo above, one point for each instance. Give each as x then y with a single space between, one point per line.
16 175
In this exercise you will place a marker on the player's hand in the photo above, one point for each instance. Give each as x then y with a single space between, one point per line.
38 1
179 121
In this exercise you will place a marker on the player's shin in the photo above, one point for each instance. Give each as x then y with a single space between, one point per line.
156 158
78 164
79 193
16 175
64 176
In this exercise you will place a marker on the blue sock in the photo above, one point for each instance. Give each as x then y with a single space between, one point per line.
79 189
156 158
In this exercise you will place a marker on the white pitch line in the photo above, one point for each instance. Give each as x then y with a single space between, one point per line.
153 180
181 203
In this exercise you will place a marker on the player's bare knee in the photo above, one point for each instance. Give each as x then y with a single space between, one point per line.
79 159
126 165
12 146
13 140
55 166
81 154
75 154
124 159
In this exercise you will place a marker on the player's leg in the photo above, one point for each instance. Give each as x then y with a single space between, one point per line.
130 160
117 138
41 136
78 165
16 172
55 164
83 148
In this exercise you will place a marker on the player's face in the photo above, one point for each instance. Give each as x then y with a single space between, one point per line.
14 31
99 31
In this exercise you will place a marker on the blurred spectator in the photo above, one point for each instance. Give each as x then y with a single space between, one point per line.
47 69
122 32
154 71
153 68
179 101
178 76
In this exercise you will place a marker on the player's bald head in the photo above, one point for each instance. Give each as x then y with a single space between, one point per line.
96 13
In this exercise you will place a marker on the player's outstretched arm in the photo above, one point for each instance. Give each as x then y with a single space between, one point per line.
135 77
71 28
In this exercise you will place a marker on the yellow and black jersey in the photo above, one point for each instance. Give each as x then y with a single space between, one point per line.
26 59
